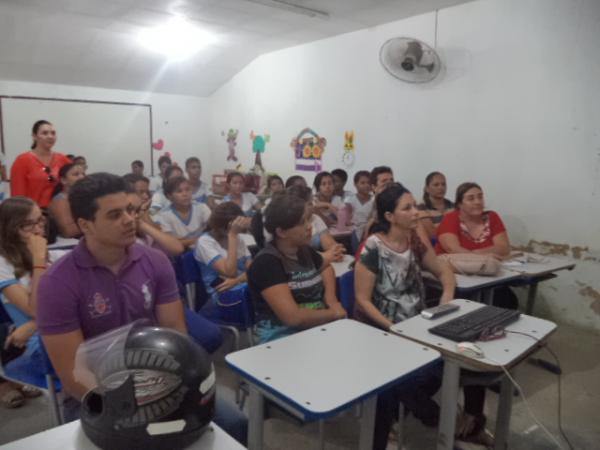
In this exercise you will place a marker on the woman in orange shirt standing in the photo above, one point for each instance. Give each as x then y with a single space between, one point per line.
34 174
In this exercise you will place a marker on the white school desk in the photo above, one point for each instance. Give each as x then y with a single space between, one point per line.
316 373
508 352
71 437
63 244
342 267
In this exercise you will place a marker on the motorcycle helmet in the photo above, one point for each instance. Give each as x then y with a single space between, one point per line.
155 391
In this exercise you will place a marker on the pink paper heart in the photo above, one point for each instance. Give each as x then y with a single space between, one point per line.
158 145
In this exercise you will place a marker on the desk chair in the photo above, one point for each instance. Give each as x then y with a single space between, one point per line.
19 370
189 276
345 289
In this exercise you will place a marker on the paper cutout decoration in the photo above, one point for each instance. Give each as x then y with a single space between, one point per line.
259 144
158 145
308 149
348 156
231 143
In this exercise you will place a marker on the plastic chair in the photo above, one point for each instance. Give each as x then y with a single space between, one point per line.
345 289
21 370
188 274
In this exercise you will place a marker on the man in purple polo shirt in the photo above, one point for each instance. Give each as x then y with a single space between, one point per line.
107 281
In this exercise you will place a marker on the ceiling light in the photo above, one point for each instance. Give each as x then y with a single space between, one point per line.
177 40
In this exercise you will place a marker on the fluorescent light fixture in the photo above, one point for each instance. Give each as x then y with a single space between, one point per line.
177 39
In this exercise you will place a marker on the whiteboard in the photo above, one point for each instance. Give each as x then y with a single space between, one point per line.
109 134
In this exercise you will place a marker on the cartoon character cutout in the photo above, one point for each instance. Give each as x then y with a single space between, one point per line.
259 144
231 143
348 157
308 148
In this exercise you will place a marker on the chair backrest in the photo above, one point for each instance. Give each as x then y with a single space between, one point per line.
346 292
188 274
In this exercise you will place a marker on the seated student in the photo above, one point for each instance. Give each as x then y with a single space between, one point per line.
361 204
81 161
326 203
58 209
340 177
137 167
164 162
200 190
159 199
245 200
108 281
24 257
221 252
291 287
149 233
472 228
274 185
295 180
435 204
184 218
389 289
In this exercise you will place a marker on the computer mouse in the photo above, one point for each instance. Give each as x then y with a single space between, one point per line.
469 349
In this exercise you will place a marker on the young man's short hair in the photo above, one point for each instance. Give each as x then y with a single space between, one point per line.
362 173
191 160
138 163
341 174
378 171
85 193
132 178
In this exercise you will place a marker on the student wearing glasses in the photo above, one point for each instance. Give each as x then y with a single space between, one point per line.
34 174
24 257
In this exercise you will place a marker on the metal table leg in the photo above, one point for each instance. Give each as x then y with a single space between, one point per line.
367 423
256 418
531 294
503 414
450 387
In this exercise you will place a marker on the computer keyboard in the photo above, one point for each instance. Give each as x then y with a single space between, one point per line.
484 321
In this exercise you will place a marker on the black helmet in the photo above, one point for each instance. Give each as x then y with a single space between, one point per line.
155 393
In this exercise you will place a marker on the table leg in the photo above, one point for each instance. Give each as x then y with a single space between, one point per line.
531 294
256 419
503 414
367 423
450 387
488 296
321 442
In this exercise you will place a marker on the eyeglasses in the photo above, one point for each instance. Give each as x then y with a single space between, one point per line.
30 225
48 171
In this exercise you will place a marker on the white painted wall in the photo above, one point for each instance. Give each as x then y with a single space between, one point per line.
181 121
517 110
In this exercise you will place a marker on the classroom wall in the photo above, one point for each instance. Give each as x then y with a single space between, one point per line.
515 109
180 121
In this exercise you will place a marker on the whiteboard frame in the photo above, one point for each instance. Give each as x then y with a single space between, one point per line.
103 102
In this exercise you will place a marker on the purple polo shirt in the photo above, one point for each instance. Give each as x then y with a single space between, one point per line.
78 293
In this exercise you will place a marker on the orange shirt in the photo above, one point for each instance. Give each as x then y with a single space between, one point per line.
30 177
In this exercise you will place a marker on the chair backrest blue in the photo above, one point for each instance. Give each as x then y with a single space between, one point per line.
187 270
346 292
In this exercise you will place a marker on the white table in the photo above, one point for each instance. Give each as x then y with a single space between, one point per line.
71 437
316 373
507 352
342 267
63 243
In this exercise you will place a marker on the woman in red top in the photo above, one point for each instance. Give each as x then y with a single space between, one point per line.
470 228
34 174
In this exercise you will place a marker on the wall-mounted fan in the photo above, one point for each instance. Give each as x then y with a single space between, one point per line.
410 60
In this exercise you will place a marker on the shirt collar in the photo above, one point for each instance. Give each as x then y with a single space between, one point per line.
83 257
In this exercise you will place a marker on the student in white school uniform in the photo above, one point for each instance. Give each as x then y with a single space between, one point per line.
221 252
340 177
164 162
200 190
362 206
184 218
159 199
326 203
245 200
274 185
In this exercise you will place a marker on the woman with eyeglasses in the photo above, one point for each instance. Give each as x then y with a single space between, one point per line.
34 174
24 257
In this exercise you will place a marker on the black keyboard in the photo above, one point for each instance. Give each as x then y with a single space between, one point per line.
487 320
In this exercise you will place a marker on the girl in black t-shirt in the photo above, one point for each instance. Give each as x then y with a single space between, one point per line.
291 287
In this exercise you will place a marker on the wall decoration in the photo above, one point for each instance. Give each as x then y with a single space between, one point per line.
158 145
348 156
231 143
259 144
308 149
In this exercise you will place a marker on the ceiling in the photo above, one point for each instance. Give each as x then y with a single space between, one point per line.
93 42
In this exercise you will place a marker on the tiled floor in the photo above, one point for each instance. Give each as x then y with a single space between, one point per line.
580 359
